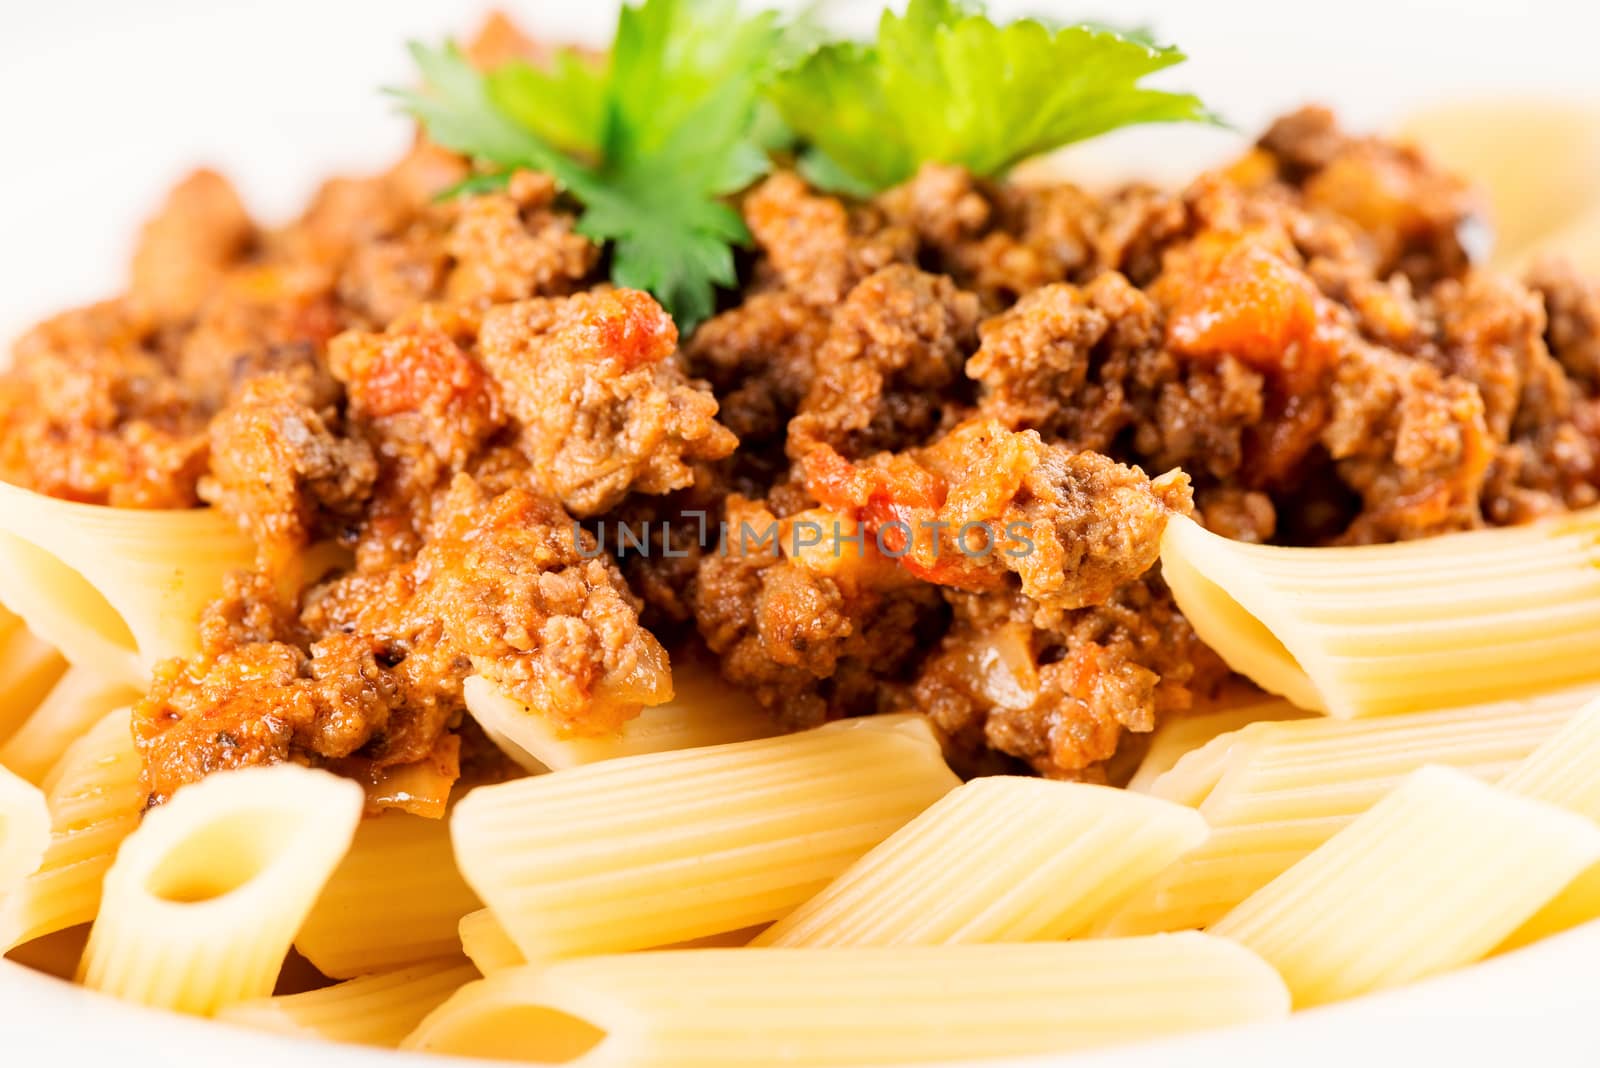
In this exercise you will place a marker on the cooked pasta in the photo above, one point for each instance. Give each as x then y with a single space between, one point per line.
1002 859
1273 792
115 589
1373 630
80 698
650 850
375 1010
205 896
1182 735
24 830
486 943
29 667
853 1006
1413 887
94 797
397 898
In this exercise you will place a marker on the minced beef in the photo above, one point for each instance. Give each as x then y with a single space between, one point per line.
445 406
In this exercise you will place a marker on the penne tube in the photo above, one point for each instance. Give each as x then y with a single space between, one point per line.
28 669
1564 771
24 830
486 944
205 897
1002 859
1433 877
703 711
1273 792
853 1006
397 898
650 850
375 1010
1181 735
79 699
94 797
1375 630
115 589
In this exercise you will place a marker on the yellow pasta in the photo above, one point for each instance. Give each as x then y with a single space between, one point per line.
1181 735
205 897
1273 792
1396 628
79 699
1002 859
95 798
24 830
1431 878
703 711
28 669
396 898
375 1010
1564 771
115 589
650 850
486 943
853 1006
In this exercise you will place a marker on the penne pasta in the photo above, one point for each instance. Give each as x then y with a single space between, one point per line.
397 898
204 898
28 669
1273 792
703 711
853 1006
1375 630
375 1010
115 589
24 830
1002 859
1563 771
1181 735
650 850
79 699
1412 888
94 797
486 943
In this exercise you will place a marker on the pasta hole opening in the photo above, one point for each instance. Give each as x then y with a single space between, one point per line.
532 1034
221 858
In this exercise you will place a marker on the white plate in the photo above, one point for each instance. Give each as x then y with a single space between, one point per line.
107 102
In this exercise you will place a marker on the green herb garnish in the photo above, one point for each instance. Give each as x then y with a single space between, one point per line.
944 83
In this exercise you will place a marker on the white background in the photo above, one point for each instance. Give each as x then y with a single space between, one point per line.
105 103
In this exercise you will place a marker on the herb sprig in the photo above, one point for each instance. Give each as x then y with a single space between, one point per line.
694 98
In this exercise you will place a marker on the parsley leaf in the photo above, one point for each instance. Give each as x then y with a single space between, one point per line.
944 83
668 128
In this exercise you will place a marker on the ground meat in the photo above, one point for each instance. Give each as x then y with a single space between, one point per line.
1572 310
894 349
199 231
604 405
512 245
760 357
812 244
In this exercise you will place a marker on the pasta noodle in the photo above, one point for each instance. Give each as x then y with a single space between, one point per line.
397 898
115 589
24 830
28 669
94 797
1413 887
1394 628
1002 859
650 850
703 711
375 1010
205 897
853 1006
1562 772
1273 792
79 699
1180 735
486 943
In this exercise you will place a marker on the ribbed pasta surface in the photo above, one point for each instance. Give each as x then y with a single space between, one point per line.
650 850
1372 630
205 897
29 668
1431 878
79 699
486 944
375 1010
24 830
1002 859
